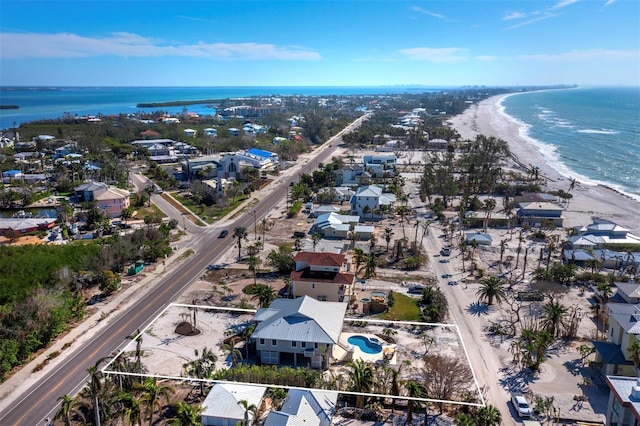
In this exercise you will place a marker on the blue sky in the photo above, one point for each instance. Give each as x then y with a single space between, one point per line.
319 43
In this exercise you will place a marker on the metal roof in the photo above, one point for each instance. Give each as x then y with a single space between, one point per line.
304 319
223 400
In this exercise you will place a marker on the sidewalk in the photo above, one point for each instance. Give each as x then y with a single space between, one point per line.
26 377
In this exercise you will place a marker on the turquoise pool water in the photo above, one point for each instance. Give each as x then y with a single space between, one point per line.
365 345
378 294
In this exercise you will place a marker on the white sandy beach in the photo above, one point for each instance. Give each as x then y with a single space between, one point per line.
589 201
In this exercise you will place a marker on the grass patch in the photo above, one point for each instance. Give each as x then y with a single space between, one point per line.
405 308
211 213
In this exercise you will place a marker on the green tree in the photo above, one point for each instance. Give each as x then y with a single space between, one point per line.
370 266
315 239
232 352
263 293
282 259
414 390
254 263
240 233
202 367
554 314
131 411
186 414
491 289
488 416
362 378
153 395
633 350
65 410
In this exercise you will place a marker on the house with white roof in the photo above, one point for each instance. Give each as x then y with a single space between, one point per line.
210 131
623 407
222 405
623 328
371 199
298 330
334 225
191 133
305 407
323 276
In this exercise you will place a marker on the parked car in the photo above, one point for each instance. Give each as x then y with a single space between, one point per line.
223 233
416 289
521 405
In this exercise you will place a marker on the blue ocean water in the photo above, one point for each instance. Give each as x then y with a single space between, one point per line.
591 134
47 103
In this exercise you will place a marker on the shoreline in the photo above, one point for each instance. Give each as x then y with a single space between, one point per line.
590 199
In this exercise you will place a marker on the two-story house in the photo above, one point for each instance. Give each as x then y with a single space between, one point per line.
534 213
323 276
369 202
298 330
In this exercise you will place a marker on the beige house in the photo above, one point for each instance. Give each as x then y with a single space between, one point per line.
323 276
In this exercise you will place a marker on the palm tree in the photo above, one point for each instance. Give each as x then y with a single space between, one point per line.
488 416
240 233
315 239
131 412
152 395
187 414
232 352
388 233
370 265
64 412
94 388
490 289
254 263
634 352
362 378
359 257
553 317
202 367
248 408
489 205
414 390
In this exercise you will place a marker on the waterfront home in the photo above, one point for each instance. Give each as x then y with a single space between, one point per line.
333 225
301 330
323 276
22 226
109 199
222 405
535 213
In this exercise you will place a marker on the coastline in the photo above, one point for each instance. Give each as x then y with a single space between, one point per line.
589 200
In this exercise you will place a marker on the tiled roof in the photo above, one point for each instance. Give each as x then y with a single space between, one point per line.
320 258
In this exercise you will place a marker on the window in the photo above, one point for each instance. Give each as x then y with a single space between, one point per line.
294 344
274 342
315 345
262 341
313 285
303 344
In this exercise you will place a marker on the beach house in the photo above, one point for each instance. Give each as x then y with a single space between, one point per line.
535 213
302 330
369 202
223 407
305 407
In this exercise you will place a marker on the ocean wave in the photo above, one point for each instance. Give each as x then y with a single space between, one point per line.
599 132
554 159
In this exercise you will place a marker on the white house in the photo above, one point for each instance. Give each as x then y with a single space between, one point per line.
209 131
305 407
371 200
222 405
191 133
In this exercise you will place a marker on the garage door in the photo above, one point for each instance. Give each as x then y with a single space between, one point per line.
270 357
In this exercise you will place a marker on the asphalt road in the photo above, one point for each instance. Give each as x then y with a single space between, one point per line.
38 402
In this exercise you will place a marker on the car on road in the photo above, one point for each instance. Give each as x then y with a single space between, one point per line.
521 405
445 276
223 233
452 283
415 289
444 260
215 267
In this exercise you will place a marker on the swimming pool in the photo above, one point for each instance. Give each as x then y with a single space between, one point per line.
378 294
365 345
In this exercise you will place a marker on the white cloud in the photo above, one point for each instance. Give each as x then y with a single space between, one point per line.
513 15
485 58
445 54
584 55
564 3
531 21
609 2
65 45
428 13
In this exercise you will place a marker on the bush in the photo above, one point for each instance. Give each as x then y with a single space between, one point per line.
294 209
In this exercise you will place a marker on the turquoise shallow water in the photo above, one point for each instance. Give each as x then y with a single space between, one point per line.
592 134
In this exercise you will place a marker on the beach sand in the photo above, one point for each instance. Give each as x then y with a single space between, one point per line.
589 201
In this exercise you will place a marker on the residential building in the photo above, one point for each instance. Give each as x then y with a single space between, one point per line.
534 213
622 329
25 225
305 407
222 405
480 238
323 276
298 330
109 199
369 202
334 225
623 408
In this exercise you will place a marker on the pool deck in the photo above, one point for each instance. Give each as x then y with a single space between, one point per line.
340 353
